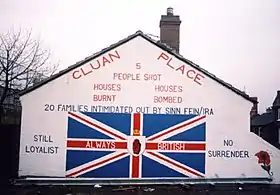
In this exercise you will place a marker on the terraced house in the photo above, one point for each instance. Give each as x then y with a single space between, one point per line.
267 125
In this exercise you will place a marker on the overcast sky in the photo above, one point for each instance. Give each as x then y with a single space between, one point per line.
237 40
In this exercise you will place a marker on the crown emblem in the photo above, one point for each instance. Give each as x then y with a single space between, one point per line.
136 131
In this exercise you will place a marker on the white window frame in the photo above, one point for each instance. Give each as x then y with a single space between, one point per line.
259 131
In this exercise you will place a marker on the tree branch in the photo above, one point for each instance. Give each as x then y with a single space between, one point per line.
22 61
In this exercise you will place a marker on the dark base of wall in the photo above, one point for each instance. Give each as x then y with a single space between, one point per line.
9 148
251 189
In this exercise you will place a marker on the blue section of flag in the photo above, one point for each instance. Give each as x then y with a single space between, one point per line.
79 130
153 169
158 122
193 160
117 169
76 158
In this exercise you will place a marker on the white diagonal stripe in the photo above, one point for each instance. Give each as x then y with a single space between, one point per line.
91 120
99 160
179 130
171 165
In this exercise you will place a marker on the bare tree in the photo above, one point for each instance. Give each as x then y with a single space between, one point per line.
23 61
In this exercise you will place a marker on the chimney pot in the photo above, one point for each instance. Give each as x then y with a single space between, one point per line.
169 11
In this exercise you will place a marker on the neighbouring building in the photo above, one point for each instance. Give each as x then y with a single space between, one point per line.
11 107
267 124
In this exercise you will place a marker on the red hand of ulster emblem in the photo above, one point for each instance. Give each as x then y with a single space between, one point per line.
136 146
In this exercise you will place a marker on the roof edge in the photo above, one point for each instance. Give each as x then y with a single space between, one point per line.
197 67
156 43
80 63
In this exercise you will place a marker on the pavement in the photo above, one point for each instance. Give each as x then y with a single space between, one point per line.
218 189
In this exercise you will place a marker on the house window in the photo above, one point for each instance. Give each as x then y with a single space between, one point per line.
259 131
278 114
279 135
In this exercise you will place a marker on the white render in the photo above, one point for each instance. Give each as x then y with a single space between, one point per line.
230 121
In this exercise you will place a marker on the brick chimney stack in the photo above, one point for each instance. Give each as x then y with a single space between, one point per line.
170 29
254 110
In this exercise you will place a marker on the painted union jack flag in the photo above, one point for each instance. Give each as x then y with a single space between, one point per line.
135 146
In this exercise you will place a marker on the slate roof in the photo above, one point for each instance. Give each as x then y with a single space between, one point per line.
263 119
267 117
156 43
